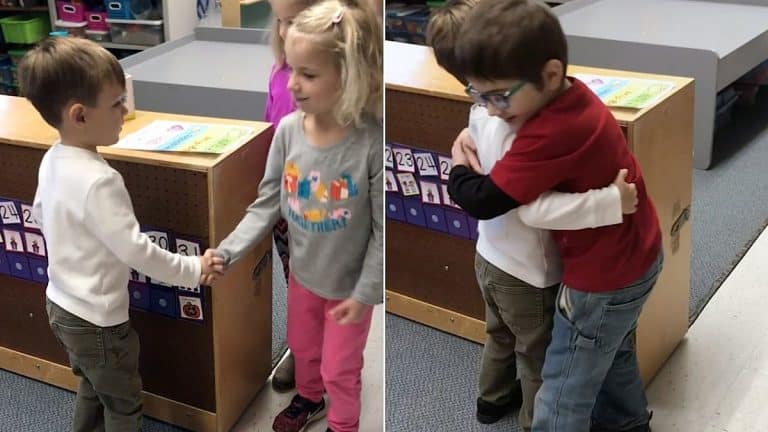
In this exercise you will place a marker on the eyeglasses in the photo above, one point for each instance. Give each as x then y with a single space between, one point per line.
499 100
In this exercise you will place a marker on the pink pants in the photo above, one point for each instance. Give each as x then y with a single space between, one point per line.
329 356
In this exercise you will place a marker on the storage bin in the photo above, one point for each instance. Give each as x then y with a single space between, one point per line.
416 23
118 9
97 21
136 32
724 107
72 28
25 29
16 56
6 76
70 12
14 76
98 35
397 13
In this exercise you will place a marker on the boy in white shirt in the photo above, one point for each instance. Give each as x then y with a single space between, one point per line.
517 263
92 234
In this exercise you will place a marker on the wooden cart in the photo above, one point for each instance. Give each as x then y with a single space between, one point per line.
200 376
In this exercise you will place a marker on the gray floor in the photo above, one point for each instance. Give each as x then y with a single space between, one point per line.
730 201
431 376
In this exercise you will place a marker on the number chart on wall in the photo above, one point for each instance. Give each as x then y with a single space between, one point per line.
417 191
23 255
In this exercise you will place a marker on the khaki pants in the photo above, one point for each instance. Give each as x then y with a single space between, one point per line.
107 361
518 320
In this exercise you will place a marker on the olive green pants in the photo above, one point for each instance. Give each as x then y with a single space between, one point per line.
518 322
107 361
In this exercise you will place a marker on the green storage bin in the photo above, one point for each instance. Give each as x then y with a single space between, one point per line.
16 55
25 29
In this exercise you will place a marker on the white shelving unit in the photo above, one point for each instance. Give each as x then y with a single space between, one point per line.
179 20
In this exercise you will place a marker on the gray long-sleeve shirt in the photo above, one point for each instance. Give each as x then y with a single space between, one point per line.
332 199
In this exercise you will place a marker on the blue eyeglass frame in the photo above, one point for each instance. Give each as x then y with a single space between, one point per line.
499 100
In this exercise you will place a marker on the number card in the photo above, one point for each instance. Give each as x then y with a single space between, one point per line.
138 277
191 308
446 164
28 219
425 163
429 193
13 242
390 182
408 184
9 213
404 160
35 244
188 248
447 198
159 238
389 157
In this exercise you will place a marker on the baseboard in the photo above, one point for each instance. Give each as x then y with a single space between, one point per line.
437 317
155 406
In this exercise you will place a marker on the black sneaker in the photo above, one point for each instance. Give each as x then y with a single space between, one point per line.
298 415
283 378
488 412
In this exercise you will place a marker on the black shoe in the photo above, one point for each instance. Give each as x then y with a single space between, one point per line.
488 412
283 379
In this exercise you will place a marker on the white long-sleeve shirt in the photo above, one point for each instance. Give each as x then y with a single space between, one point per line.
518 242
93 238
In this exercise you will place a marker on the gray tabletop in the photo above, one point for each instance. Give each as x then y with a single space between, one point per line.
722 28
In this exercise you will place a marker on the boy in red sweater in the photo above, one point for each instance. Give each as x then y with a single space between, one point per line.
514 55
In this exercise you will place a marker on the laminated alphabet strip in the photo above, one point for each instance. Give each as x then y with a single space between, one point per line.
417 191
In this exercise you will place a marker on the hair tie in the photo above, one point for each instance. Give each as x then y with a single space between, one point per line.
338 15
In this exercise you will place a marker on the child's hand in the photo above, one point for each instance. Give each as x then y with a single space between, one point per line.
469 150
627 191
457 155
212 266
349 311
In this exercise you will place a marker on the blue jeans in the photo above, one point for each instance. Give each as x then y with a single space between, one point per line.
590 373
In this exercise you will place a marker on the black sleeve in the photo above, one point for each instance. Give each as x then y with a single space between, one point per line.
477 194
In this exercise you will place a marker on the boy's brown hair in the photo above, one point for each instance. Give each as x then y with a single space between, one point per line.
510 39
443 29
61 70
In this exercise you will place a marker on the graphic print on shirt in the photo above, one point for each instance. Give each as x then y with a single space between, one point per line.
317 205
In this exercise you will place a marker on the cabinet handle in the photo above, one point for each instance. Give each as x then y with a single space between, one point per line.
680 221
258 268
263 262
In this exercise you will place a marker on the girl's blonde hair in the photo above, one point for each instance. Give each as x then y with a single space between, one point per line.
349 31
278 44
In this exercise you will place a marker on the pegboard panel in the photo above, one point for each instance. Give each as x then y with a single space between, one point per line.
18 171
423 121
440 274
168 198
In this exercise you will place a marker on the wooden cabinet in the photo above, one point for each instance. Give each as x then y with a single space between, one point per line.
198 375
435 283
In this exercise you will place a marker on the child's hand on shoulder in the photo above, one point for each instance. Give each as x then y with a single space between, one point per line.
349 311
627 191
212 266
